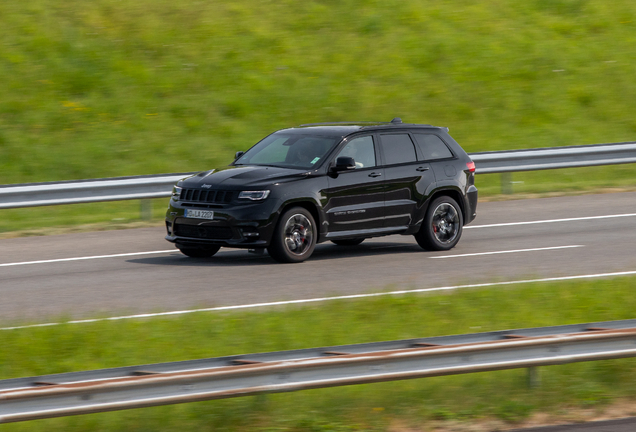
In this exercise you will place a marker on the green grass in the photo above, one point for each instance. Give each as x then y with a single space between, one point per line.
469 398
37 221
113 88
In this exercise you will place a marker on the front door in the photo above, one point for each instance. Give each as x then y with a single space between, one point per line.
355 198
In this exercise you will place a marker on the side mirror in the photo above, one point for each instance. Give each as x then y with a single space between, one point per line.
344 163
238 154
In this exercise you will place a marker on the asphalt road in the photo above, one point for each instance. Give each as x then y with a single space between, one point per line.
622 425
79 281
135 271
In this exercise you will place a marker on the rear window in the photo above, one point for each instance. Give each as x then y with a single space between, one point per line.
432 147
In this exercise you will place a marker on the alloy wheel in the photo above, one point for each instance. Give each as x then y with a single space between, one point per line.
298 234
445 223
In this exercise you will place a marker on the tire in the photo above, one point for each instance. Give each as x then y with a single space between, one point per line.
200 253
295 236
442 226
348 242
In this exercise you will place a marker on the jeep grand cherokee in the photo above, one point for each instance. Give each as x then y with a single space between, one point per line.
339 182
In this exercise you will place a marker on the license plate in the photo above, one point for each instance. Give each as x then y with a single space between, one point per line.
199 214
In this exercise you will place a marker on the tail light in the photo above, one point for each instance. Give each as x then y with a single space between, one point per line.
471 166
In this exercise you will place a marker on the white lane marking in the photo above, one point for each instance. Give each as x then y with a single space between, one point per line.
325 299
86 258
551 221
466 227
507 251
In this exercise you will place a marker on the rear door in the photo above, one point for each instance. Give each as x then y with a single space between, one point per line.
355 198
436 152
407 179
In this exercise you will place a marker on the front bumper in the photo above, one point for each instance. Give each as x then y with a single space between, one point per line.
248 226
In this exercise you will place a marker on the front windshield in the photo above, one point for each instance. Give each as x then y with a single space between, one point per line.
289 150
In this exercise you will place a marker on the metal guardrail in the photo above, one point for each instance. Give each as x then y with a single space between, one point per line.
507 162
225 377
157 186
554 158
87 191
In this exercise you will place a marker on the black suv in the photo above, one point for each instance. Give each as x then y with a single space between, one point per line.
342 182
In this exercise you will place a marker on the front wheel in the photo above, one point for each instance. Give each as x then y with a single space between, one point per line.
442 225
200 253
294 238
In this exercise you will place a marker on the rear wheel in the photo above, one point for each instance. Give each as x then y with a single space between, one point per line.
200 253
348 242
294 238
442 225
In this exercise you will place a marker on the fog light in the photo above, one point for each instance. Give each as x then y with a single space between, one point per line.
249 232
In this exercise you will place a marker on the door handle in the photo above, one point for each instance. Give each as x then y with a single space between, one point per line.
422 169
375 174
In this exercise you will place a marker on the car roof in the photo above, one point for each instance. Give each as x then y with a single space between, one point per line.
346 128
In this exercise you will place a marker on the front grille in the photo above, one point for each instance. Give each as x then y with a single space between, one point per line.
203 232
205 195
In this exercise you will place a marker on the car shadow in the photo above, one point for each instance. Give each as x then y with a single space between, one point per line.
240 257
327 251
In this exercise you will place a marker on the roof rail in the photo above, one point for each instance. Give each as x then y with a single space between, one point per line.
395 121
353 123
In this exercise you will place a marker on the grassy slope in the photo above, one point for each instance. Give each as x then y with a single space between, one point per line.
110 87
471 397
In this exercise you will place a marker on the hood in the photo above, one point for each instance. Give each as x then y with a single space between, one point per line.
240 176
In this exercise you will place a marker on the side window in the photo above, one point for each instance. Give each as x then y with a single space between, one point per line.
307 151
361 150
432 147
398 148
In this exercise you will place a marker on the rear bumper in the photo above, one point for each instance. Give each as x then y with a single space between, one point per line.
471 201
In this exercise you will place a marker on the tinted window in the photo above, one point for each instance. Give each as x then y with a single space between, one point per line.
432 147
289 150
398 148
361 150
275 151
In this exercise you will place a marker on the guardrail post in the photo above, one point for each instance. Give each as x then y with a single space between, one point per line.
146 209
506 183
533 377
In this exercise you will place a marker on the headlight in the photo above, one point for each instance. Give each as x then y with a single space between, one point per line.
254 195
176 193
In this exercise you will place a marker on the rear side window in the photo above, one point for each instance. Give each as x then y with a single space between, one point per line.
432 147
398 148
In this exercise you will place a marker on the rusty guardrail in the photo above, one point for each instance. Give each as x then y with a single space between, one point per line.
168 383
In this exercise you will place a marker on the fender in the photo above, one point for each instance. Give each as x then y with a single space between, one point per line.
436 190
311 203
